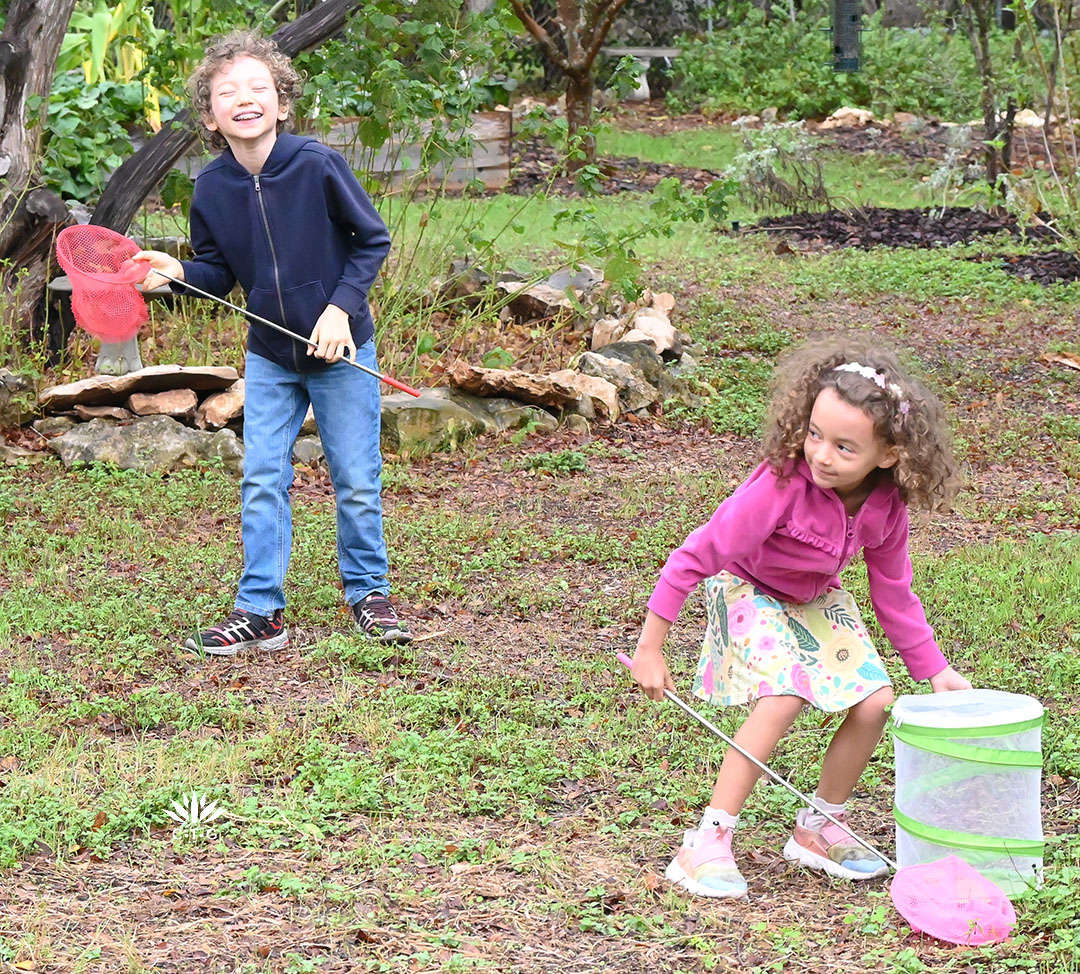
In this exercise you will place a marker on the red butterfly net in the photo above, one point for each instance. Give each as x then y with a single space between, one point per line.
103 276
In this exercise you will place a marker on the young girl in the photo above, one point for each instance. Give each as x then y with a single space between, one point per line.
851 441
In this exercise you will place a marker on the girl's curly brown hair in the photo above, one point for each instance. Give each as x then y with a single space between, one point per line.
912 419
226 49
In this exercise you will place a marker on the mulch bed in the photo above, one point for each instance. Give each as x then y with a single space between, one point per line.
536 163
930 227
885 227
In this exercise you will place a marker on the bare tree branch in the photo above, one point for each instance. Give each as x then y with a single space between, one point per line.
541 36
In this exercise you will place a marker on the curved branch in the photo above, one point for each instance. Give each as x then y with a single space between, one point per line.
541 36
601 32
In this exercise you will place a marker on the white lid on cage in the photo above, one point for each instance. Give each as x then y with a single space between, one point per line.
965 708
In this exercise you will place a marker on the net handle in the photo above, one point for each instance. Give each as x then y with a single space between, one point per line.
285 331
710 726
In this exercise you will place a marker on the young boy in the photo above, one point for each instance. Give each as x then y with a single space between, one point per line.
286 217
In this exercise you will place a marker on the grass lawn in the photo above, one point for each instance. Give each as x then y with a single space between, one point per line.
497 796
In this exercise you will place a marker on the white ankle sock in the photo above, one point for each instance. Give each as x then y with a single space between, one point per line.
811 817
715 818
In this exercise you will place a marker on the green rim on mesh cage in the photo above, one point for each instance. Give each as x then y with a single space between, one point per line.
952 732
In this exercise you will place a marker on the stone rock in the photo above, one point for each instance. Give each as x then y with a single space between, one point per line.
432 422
16 398
533 303
640 356
769 114
150 444
445 418
118 358
466 279
598 397
309 427
584 278
178 403
107 390
746 121
847 118
220 408
663 301
308 450
634 391
226 446
117 413
537 390
606 331
54 425
1027 119
659 329
576 423
638 337
13 456
501 414
906 120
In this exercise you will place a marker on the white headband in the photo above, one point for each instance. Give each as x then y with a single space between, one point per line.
879 380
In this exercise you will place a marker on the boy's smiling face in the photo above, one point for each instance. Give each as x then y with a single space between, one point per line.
244 105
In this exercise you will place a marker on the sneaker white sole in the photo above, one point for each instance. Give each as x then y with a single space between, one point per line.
280 641
392 637
793 852
677 875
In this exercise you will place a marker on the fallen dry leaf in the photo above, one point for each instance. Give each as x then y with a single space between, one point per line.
1067 359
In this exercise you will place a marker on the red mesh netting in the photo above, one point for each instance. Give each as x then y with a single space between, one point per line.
952 901
103 277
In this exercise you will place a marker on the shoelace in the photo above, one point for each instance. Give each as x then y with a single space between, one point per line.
379 608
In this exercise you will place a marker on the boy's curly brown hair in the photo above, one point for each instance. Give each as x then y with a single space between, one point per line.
226 49
912 419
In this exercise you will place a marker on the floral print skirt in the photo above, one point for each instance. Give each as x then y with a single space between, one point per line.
759 646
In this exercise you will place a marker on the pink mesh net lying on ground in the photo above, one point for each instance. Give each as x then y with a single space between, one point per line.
952 901
104 298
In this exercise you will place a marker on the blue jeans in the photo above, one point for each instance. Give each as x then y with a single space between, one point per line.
347 410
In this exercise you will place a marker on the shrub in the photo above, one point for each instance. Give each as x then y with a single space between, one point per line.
756 64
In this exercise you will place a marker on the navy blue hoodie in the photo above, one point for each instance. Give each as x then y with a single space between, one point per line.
298 236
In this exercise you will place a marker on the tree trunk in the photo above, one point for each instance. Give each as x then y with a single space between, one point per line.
582 26
579 117
29 214
977 16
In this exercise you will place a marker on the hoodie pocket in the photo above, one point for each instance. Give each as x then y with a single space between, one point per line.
302 306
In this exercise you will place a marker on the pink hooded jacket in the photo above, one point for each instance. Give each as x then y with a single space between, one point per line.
792 538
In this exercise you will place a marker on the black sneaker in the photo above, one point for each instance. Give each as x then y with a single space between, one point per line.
375 615
239 631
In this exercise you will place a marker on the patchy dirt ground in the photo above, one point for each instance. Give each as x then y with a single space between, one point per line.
157 906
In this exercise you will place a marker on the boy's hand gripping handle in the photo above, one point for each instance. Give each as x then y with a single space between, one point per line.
710 726
285 331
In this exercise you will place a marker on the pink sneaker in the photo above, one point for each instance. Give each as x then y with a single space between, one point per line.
833 850
704 865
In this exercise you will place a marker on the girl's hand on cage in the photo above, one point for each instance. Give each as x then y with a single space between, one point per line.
159 261
949 679
650 672
333 336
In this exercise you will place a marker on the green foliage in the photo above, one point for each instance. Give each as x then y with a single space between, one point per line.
670 204
409 75
558 464
87 131
755 64
780 169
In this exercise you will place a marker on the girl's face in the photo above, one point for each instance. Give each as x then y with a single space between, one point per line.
841 446
244 104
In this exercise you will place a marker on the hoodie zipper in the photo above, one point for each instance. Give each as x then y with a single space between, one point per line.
273 260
